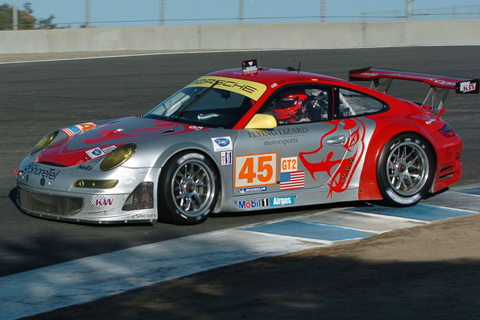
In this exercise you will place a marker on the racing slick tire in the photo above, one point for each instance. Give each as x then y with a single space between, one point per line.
405 170
188 189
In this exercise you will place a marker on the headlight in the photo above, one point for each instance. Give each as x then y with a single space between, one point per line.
45 141
118 156
96 184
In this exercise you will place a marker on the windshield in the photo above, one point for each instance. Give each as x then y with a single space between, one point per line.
210 102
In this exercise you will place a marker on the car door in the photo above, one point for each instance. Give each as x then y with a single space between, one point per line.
304 151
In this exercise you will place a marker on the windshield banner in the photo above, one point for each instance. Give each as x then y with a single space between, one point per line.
250 89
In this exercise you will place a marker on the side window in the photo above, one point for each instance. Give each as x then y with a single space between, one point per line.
300 104
353 103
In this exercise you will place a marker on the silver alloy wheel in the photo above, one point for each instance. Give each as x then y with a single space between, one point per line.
407 168
192 188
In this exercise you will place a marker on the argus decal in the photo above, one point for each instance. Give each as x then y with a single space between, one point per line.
341 164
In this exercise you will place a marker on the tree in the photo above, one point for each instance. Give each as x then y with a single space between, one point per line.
26 20
46 23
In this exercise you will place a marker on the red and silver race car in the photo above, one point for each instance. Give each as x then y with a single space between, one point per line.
249 139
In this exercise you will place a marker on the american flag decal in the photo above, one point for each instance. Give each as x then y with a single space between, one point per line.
292 180
71 131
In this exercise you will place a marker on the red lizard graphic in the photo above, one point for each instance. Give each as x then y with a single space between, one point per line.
340 168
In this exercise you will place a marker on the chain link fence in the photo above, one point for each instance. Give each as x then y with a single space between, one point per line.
235 14
447 13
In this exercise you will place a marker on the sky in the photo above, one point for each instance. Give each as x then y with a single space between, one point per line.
125 13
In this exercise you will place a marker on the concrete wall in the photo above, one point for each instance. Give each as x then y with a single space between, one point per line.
245 36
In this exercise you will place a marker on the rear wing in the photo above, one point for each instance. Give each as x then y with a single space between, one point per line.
439 85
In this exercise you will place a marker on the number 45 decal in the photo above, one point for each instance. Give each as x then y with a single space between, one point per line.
255 170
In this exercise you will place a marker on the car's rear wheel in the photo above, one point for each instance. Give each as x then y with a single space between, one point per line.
188 189
405 170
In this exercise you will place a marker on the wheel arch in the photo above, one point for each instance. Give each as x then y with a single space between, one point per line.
369 187
170 153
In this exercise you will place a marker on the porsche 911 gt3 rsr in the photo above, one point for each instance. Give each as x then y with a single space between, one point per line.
249 139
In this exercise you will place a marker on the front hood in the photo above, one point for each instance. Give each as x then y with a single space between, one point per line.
81 146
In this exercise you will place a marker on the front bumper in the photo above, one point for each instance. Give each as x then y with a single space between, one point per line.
49 192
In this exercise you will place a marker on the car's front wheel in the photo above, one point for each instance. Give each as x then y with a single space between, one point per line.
405 170
188 189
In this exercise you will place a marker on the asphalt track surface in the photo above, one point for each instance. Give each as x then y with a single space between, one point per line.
38 97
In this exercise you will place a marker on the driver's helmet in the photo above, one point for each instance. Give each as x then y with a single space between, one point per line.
290 108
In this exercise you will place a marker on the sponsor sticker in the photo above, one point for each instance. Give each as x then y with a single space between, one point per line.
79 128
253 204
84 167
95 153
34 169
253 189
250 89
222 144
227 158
468 86
289 164
266 202
196 128
144 216
282 201
102 201
98 152
109 149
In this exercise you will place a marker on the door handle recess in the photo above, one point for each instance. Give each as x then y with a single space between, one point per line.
336 141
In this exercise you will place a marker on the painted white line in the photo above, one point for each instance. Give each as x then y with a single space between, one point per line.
131 55
101 57
361 221
92 278
396 218
319 242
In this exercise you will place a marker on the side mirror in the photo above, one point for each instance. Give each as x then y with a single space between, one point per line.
262 121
